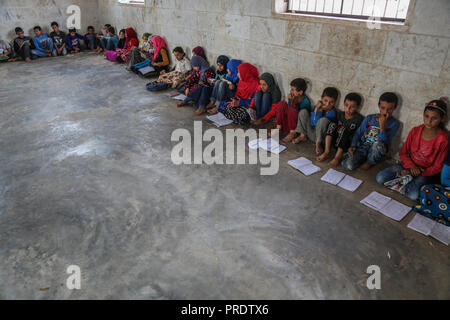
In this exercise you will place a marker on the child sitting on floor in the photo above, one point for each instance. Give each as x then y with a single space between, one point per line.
6 52
43 44
74 41
92 39
109 42
23 46
313 125
371 141
224 86
59 39
287 113
340 134
423 154
181 68
267 96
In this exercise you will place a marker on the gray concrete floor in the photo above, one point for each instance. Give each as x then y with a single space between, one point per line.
86 179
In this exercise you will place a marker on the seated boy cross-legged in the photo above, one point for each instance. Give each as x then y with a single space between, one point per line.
314 125
340 134
371 141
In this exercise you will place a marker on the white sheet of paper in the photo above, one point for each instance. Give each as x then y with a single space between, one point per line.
376 200
181 97
297 163
395 210
333 177
309 169
350 184
219 120
254 144
272 146
441 232
146 70
421 224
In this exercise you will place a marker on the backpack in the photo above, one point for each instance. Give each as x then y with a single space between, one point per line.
157 86
111 55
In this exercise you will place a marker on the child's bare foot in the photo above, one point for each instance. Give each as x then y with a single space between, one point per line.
213 110
210 105
324 156
199 112
299 139
366 166
27 60
333 163
319 149
289 137
181 104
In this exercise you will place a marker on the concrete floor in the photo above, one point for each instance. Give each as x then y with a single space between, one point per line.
86 179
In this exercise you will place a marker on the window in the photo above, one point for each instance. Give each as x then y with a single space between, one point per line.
132 1
383 10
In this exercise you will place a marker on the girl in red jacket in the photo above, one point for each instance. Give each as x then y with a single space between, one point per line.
423 154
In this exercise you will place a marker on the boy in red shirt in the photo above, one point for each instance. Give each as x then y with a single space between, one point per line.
423 154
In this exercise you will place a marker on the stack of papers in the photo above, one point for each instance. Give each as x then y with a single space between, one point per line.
386 206
270 145
219 120
180 97
304 165
342 180
146 70
431 228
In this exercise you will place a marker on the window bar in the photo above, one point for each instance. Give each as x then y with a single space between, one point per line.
396 10
385 7
342 6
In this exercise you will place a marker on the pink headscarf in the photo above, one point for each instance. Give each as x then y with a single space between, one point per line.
158 43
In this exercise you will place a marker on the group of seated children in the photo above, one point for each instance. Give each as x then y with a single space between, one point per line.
235 89
58 43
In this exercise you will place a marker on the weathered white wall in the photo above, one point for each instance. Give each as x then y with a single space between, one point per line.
29 13
412 60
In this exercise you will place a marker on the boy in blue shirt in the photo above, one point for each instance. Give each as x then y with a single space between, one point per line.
43 44
371 141
314 125
74 41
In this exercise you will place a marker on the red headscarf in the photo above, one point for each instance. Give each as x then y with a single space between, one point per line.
131 40
199 52
249 81
158 43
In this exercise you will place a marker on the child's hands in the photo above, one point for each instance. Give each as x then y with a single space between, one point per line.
352 150
319 106
415 171
186 92
231 86
234 103
201 83
382 119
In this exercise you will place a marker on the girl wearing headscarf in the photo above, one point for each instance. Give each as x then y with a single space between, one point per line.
160 59
266 98
180 70
131 41
224 87
138 56
198 88
199 51
237 109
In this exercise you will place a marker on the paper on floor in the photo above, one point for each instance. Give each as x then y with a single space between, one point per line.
219 120
376 200
386 206
181 97
304 165
333 177
431 228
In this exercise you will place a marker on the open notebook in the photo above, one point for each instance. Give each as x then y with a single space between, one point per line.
146 70
219 120
304 165
386 206
341 180
270 145
430 228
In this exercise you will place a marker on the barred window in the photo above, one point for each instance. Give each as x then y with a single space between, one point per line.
382 10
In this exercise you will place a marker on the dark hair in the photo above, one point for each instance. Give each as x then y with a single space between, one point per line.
108 25
354 97
112 30
331 92
90 27
123 31
299 84
437 105
54 23
179 50
18 29
37 27
72 30
389 97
